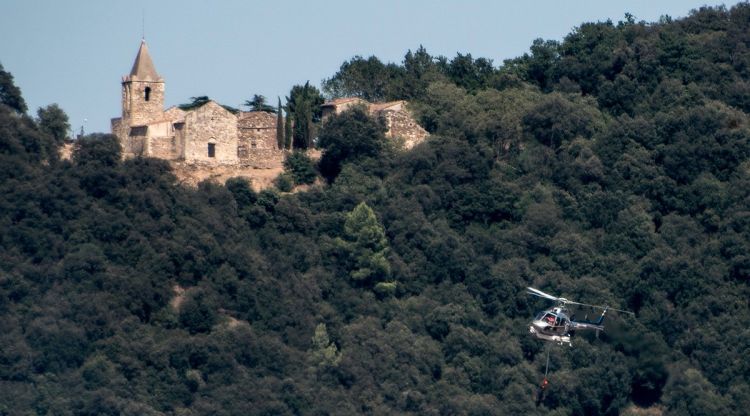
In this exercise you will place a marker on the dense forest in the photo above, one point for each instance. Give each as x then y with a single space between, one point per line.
611 167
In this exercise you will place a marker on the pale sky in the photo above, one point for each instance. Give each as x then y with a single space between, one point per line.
74 53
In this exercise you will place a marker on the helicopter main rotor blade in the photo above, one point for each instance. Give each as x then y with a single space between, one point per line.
602 307
537 292
621 311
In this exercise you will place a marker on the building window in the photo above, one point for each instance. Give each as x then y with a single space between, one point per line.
253 145
211 150
139 131
148 93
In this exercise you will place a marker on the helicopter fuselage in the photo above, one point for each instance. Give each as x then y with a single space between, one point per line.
553 324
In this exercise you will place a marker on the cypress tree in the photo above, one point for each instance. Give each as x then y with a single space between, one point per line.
279 127
288 130
309 131
300 136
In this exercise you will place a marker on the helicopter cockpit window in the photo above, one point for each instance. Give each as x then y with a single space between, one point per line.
550 318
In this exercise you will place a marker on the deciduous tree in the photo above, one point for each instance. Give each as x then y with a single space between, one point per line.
53 121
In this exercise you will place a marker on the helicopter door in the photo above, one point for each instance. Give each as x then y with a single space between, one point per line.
558 324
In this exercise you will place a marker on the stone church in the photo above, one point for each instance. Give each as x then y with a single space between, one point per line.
212 134
208 134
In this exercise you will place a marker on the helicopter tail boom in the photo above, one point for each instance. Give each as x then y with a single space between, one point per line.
597 325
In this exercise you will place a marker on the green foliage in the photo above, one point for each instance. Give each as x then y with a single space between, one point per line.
54 122
365 246
384 289
194 103
100 150
300 167
258 103
198 312
556 120
10 94
279 127
689 393
288 131
368 78
610 168
324 353
374 80
242 192
284 182
347 137
468 73
22 140
304 103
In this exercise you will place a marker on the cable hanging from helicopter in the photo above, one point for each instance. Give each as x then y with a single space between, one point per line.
556 324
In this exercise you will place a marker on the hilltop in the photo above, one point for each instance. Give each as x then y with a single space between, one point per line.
611 167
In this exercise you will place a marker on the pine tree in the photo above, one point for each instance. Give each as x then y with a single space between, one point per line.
324 352
366 245
279 127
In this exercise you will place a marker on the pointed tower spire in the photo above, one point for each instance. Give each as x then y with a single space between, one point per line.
142 91
143 67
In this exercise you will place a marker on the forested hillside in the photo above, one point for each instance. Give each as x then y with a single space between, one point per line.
611 168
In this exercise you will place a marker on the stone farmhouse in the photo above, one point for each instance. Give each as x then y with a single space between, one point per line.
211 134
398 119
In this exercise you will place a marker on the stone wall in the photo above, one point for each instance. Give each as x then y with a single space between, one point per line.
340 105
134 143
118 129
210 124
132 140
399 120
163 148
402 125
263 158
179 134
257 130
160 141
174 114
135 109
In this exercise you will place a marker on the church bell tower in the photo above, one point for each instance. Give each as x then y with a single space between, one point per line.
142 91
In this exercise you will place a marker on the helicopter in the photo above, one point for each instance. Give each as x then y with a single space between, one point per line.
556 324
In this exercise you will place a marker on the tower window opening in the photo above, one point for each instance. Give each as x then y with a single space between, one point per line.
211 150
148 93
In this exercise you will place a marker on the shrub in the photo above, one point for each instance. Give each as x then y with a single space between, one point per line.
301 168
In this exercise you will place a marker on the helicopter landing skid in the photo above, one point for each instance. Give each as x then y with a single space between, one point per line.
560 339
